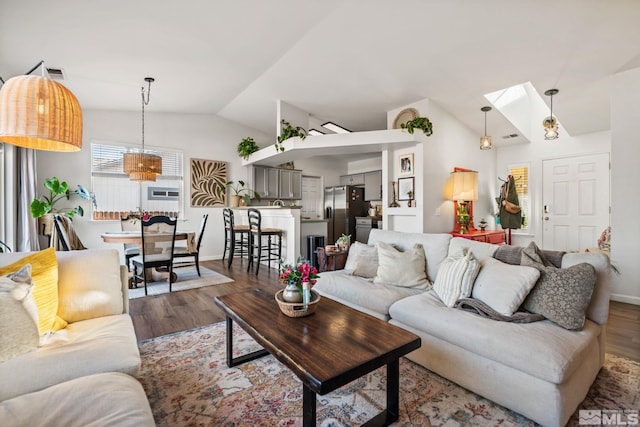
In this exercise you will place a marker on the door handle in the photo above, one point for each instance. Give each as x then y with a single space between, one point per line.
546 218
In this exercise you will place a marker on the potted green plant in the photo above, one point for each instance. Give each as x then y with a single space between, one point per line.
43 207
422 123
287 131
240 192
344 241
246 147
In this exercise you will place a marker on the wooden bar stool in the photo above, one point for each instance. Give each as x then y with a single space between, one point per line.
235 236
257 245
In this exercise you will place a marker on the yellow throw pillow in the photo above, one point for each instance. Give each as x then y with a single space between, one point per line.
44 273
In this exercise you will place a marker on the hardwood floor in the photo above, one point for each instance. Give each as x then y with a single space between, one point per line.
168 313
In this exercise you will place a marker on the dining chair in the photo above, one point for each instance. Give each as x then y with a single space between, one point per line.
63 236
158 241
130 223
182 252
236 236
257 243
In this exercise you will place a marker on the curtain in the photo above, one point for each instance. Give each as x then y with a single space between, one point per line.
27 226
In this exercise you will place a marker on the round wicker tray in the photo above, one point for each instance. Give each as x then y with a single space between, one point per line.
296 309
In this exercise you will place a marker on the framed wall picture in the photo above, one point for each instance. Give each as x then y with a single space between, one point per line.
405 188
208 183
406 164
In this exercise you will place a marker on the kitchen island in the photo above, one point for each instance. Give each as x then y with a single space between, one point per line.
282 217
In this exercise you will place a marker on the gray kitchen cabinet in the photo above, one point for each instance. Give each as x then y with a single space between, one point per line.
266 181
290 184
373 185
353 179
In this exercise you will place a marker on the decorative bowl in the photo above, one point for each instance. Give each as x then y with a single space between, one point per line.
297 309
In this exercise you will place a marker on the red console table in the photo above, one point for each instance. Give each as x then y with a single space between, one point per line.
496 237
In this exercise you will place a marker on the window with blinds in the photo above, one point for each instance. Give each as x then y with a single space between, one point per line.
116 195
520 175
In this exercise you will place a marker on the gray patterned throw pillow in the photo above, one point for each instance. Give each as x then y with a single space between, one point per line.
562 295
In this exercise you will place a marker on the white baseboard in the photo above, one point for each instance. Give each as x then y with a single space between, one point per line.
626 298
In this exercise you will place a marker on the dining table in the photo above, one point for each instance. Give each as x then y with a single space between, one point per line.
135 237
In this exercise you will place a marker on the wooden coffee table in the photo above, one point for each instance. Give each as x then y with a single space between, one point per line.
326 350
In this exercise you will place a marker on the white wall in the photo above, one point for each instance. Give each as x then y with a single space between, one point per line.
198 136
534 154
625 176
451 145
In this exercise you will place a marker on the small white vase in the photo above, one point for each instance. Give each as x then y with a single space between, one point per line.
291 293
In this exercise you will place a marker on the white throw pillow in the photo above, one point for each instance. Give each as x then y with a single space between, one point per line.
504 287
18 315
354 251
404 269
366 262
456 276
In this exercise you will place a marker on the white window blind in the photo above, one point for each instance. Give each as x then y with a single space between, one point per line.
116 194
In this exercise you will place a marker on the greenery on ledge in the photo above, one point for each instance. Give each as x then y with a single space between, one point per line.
421 123
287 131
246 147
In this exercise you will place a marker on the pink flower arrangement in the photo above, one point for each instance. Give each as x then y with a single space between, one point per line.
301 272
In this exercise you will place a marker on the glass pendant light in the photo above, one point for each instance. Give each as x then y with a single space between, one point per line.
485 141
550 123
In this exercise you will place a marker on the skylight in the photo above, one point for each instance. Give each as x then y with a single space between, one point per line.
504 97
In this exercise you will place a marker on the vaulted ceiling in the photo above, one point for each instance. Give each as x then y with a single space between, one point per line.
345 61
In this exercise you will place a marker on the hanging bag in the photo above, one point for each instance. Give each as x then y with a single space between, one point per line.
509 207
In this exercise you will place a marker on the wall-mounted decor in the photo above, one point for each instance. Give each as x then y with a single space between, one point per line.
208 182
405 188
406 164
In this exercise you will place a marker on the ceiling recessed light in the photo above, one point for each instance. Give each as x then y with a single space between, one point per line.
335 128
315 132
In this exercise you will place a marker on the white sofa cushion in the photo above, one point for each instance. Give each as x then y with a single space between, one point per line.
436 246
598 309
105 400
89 284
104 344
504 287
541 349
480 250
360 293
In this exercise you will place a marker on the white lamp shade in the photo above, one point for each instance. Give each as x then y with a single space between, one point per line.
464 185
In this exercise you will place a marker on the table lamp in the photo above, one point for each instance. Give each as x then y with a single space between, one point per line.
464 188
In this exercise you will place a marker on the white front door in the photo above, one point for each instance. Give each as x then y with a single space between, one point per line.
575 201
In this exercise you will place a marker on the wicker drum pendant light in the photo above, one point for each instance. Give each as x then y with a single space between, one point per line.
37 112
139 165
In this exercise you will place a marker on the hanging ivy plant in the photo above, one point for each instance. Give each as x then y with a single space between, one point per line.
287 131
246 147
422 123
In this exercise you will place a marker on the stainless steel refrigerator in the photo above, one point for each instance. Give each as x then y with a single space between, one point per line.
342 204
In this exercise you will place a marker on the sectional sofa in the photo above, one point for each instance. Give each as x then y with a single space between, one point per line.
538 369
80 370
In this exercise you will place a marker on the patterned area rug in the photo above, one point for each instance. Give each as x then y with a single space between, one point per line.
187 279
188 384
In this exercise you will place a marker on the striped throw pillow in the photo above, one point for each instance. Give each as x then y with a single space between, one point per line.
456 276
